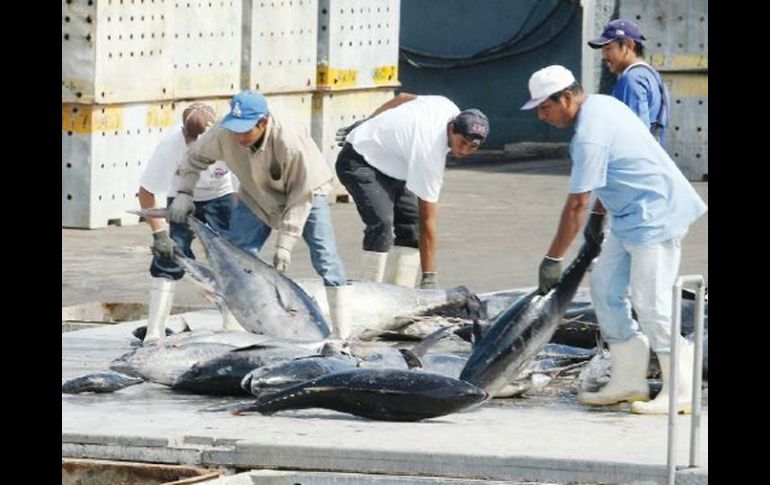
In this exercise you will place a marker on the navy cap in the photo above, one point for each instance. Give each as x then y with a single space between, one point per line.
472 124
617 29
246 109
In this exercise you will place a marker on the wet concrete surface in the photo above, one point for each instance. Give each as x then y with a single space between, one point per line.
496 218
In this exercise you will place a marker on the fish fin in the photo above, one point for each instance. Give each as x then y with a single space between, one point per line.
477 333
284 302
412 361
422 348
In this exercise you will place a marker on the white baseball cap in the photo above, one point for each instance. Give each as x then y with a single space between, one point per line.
547 81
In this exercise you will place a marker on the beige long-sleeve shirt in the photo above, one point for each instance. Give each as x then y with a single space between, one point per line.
277 180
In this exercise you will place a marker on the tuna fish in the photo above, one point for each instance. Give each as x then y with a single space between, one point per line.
522 330
99 382
380 394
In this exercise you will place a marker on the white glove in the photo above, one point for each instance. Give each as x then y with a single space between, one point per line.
180 208
281 259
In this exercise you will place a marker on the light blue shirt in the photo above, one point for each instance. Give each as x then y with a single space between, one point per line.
614 155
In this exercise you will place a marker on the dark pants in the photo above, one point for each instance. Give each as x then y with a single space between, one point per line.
214 212
385 204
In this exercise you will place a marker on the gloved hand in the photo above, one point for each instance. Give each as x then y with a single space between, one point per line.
594 230
281 259
162 245
550 274
429 280
345 130
180 208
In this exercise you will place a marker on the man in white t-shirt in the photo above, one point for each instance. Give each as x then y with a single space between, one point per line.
214 200
392 164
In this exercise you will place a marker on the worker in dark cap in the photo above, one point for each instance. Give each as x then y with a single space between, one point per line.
639 85
392 164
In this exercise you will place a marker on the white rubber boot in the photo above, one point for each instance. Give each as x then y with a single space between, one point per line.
684 383
628 378
373 266
405 266
161 297
340 300
229 322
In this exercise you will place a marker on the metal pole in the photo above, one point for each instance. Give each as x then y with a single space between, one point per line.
697 378
676 323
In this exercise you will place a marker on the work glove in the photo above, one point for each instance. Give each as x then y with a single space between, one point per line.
550 274
429 280
281 259
594 230
180 208
343 132
162 245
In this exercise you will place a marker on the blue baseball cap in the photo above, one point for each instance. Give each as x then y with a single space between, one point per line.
246 109
617 29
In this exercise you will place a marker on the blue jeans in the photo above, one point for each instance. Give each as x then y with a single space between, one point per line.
249 233
645 273
215 212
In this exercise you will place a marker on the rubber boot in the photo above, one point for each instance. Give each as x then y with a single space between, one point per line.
684 383
405 266
340 300
628 378
373 266
161 297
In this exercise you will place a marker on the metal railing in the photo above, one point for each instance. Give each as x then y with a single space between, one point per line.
697 378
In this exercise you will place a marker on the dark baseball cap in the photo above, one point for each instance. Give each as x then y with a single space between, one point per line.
617 29
472 124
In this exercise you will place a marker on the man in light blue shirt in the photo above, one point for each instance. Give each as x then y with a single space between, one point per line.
651 204
639 85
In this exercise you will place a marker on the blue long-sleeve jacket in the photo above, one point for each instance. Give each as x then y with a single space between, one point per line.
641 89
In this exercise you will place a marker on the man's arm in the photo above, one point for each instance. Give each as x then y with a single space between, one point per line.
189 171
428 211
294 163
147 201
397 100
572 218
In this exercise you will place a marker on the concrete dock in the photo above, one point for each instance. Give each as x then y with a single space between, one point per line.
496 221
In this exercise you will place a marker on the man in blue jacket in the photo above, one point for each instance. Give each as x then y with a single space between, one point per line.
639 85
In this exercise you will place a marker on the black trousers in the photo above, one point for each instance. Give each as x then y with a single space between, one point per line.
385 205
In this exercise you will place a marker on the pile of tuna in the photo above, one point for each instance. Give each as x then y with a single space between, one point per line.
414 354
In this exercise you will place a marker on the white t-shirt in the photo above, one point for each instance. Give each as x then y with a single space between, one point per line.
409 142
159 173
